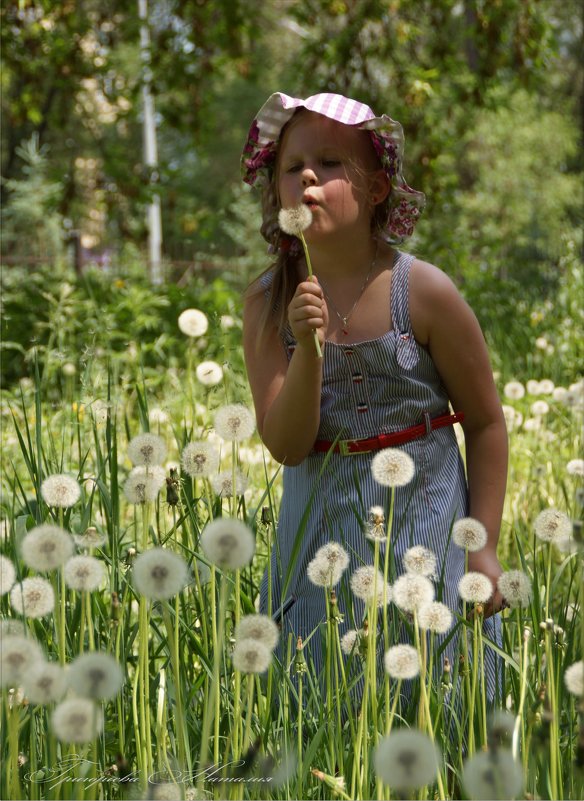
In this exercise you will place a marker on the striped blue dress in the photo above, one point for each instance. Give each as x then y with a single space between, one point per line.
376 386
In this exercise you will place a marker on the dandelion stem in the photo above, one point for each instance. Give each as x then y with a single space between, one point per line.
311 277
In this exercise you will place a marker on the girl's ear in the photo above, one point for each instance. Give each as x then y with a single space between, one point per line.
379 187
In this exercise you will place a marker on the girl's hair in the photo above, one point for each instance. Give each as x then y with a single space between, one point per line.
283 272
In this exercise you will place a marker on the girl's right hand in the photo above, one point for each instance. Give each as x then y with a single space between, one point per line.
307 312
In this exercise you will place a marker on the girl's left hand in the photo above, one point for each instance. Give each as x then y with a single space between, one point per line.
486 562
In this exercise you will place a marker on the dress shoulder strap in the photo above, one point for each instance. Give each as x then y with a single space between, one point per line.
406 348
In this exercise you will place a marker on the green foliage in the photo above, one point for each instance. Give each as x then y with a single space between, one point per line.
31 223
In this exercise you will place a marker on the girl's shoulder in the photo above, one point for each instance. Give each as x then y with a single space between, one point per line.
432 296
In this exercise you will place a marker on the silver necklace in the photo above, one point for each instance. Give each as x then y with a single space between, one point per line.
344 318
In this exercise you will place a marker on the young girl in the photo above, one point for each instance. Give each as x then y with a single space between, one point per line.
398 342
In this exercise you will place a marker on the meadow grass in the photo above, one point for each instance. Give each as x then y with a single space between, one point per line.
199 714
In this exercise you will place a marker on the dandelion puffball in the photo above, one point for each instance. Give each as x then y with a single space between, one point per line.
18 653
84 573
365 581
193 322
515 587
421 560
402 662
251 656
33 597
475 587
351 640
46 547
199 459
143 484
392 468
234 422
209 373
44 682
492 775
7 574
412 591
551 525
228 543
258 627
295 220
76 720
514 390
574 678
406 760
159 573
323 573
96 675
575 467
435 617
469 533
60 490
147 450
222 483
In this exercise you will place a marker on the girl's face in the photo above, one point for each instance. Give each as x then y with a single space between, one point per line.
333 169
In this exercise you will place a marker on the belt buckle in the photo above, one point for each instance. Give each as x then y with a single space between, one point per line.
344 445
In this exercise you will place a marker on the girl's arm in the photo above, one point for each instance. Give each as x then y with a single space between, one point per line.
444 322
286 394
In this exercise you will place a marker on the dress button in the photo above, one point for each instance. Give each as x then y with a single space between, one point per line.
362 407
357 378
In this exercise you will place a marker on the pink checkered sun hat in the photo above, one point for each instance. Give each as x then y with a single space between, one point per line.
259 153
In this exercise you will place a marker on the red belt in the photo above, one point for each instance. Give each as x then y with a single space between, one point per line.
347 447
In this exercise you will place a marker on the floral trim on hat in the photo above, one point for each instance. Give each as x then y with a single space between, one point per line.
260 150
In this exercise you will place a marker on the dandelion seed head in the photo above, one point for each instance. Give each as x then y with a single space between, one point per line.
96 675
7 574
157 416
575 467
159 573
193 322
469 533
147 450
412 591
228 543
402 662
76 720
419 559
99 410
335 555
33 597
546 387
323 573
539 408
222 483
44 682
574 678
350 640
200 459
91 538
492 775
514 390
532 387
60 490
258 627
392 468
560 394
234 422
551 525
251 656
164 791
515 587
475 587
143 484
375 526
84 573
18 653
46 547
406 760
10 626
435 617
513 418
295 220
365 580
209 373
